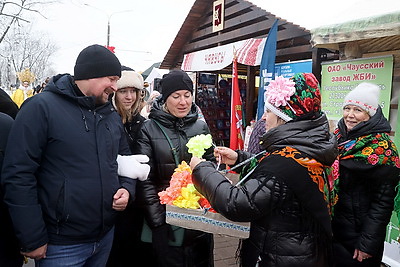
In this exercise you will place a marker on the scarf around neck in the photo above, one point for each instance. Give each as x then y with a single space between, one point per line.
304 174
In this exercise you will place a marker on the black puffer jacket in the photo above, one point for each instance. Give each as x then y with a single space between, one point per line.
366 194
9 248
197 247
284 231
152 142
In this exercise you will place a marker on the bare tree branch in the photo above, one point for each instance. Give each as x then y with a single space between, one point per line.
14 14
25 49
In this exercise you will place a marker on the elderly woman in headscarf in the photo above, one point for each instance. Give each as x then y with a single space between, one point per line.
368 171
283 192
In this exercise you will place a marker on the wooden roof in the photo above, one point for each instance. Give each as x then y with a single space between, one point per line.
376 34
243 20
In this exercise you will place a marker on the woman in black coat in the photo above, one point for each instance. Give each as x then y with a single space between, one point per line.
368 174
173 120
284 193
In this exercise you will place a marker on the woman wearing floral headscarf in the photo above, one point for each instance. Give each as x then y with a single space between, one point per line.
283 192
368 170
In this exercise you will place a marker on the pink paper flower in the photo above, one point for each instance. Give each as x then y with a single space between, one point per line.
279 91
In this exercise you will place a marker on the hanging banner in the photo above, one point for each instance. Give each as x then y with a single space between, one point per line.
215 58
218 15
267 67
249 52
340 77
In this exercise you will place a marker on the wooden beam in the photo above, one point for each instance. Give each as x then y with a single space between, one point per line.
293 50
316 63
255 30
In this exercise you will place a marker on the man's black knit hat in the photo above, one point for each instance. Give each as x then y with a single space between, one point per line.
173 81
96 61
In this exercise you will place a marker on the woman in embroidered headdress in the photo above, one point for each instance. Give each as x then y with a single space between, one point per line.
283 192
368 172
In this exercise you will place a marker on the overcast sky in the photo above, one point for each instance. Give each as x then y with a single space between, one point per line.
142 31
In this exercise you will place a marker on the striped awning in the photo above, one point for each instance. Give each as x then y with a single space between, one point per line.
248 52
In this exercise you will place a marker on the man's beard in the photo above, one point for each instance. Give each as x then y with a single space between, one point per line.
100 100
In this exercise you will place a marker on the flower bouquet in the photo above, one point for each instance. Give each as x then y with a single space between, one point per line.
187 208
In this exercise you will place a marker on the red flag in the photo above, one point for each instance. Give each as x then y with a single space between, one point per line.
111 48
236 134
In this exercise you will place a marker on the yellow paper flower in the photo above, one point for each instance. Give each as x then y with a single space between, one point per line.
188 198
181 191
183 167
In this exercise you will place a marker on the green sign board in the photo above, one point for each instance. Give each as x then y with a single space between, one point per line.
340 77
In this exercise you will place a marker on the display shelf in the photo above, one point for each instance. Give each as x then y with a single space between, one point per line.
215 104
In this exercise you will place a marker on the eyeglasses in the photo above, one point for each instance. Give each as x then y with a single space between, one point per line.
126 91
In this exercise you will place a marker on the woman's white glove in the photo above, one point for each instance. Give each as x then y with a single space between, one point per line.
133 166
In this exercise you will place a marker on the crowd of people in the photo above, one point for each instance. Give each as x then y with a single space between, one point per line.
84 191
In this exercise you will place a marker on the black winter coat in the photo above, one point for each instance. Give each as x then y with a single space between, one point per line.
284 230
63 150
132 129
7 106
10 255
197 248
366 194
152 142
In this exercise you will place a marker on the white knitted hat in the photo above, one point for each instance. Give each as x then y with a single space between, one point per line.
366 96
130 78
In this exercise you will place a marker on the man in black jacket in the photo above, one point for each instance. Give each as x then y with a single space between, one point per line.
9 249
62 187
7 105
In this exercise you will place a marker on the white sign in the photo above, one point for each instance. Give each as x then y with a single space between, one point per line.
210 59
218 15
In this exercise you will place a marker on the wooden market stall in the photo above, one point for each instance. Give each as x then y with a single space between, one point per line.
238 21
365 38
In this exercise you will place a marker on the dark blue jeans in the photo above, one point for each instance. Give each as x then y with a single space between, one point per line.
94 254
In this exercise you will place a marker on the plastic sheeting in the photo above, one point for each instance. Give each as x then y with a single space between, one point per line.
367 28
